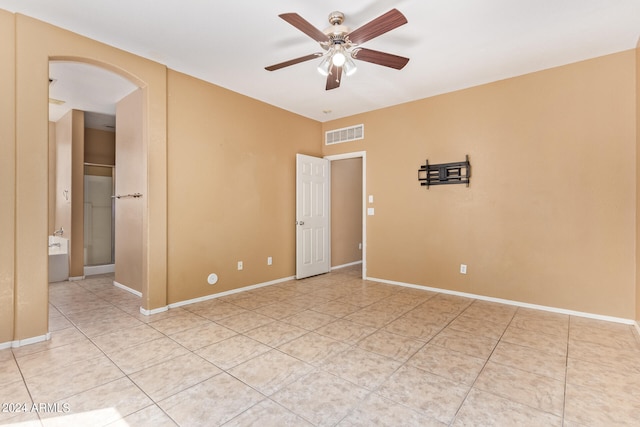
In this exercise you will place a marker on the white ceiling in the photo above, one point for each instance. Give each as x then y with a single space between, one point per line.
453 44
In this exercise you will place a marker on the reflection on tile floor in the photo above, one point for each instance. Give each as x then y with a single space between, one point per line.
331 350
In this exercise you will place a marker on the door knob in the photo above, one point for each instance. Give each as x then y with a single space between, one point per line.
301 222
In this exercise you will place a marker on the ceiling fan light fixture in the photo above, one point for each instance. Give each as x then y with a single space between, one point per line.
338 58
349 67
325 65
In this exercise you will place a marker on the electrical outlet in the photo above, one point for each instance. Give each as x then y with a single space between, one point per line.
269 260
240 265
463 268
360 246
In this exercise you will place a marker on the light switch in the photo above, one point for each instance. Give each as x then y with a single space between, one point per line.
370 211
370 198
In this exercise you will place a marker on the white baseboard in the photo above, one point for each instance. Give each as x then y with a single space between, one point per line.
511 302
128 289
337 267
76 278
26 341
154 310
92 270
637 325
232 291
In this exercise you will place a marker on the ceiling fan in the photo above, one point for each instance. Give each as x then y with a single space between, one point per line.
341 45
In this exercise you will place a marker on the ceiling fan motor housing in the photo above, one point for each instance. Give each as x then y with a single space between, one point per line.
336 32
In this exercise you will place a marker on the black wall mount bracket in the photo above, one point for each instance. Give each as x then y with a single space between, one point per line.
445 173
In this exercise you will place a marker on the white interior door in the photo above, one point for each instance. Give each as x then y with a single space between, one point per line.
312 216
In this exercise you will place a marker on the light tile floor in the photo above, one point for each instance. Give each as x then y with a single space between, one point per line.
332 350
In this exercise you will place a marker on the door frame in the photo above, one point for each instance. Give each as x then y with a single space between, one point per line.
354 155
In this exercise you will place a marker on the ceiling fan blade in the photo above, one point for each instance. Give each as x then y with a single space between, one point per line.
292 62
383 23
303 25
380 58
334 77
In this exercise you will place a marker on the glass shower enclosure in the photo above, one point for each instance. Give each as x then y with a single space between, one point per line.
99 215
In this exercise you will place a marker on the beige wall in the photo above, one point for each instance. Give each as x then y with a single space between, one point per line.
69 185
52 178
637 69
76 243
25 188
7 176
346 211
63 160
99 147
130 179
231 187
548 215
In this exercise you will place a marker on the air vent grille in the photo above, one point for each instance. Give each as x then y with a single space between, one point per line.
337 136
